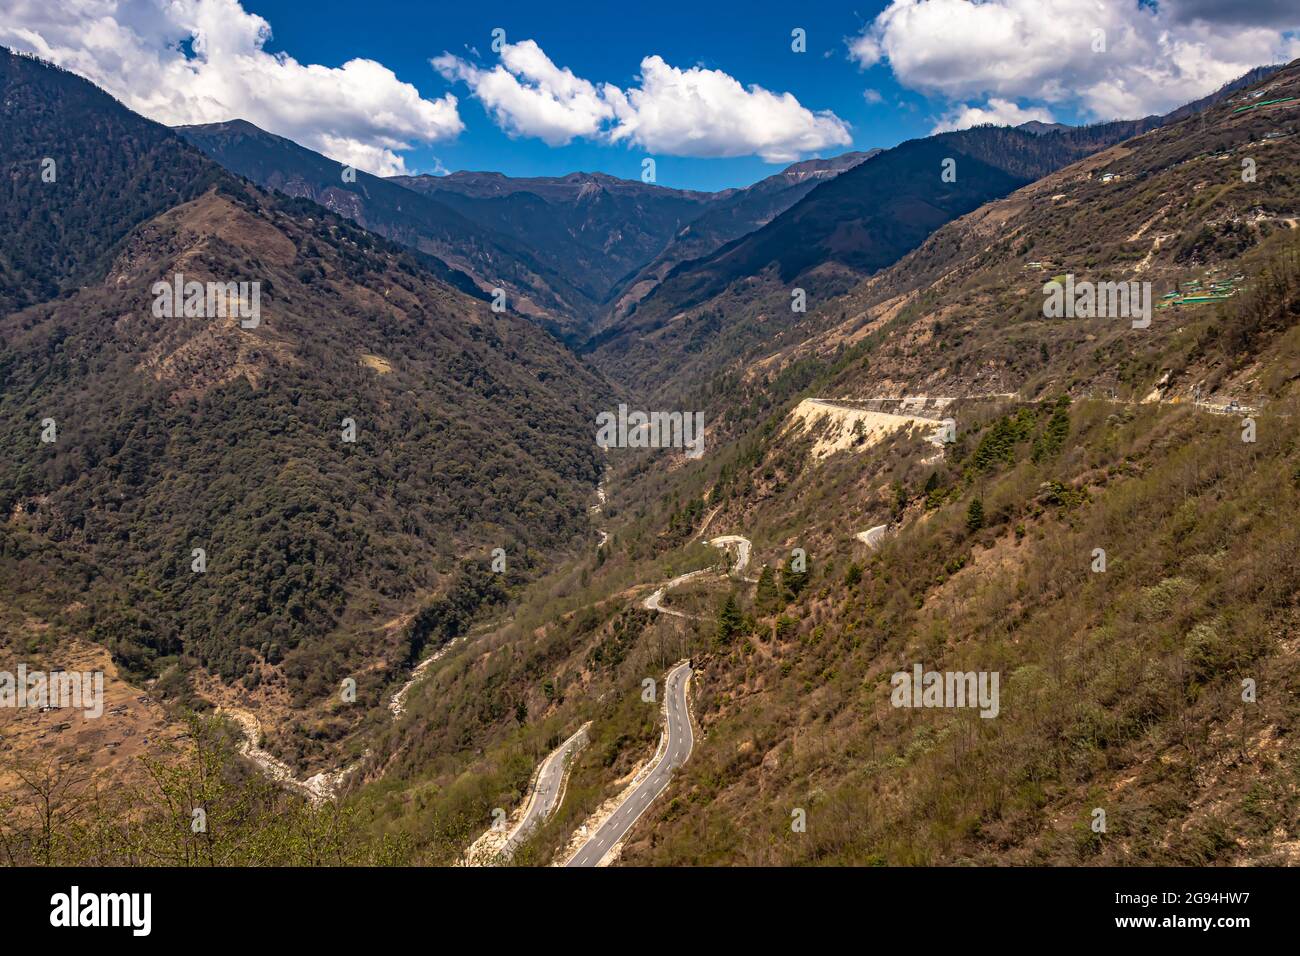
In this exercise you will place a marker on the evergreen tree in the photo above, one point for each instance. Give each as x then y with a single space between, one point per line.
933 493
975 515
900 500
766 598
793 582
1054 435
729 620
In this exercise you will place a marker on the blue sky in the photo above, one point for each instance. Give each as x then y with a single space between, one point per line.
753 48
712 91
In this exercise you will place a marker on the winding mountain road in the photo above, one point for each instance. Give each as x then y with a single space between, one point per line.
742 545
546 792
652 603
674 749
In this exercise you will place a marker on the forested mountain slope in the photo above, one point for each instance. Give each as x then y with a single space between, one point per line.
593 228
731 217
337 455
717 315
1124 566
493 259
66 203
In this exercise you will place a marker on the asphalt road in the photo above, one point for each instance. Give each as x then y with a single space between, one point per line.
546 792
742 550
681 739
652 603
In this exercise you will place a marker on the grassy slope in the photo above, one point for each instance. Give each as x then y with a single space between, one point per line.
1120 690
964 311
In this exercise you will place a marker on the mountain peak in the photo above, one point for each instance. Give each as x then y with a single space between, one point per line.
1038 127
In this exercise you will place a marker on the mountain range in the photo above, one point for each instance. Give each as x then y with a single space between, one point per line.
560 247
174 431
361 509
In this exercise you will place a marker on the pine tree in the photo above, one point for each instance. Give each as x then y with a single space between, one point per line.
729 620
900 500
975 515
766 598
793 582
1054 435
933 494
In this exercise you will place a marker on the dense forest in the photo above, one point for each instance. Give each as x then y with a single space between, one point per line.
66 201
335 465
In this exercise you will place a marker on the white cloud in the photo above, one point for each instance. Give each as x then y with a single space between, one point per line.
997 111
693 112
872 96
359 113
699 112
528 95
1155 58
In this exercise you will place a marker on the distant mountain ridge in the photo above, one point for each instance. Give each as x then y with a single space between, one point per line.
733 216
591 227
570 187
710 310
562 247
705 313
491 259
627 233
